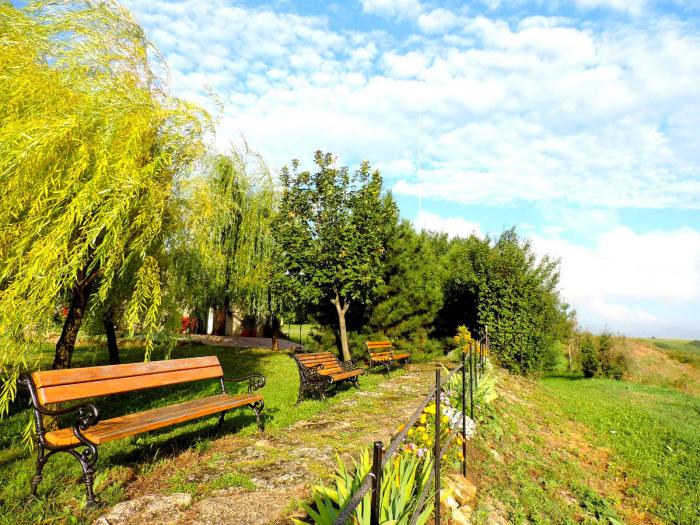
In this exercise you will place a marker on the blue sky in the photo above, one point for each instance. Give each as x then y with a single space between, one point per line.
577 121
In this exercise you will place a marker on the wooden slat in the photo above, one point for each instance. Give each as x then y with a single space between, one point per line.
330 371
140 422
380 354
70 392
95 373
307 357
346 375
401 355
379 344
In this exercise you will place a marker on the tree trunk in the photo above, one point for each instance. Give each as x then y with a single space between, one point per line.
342 309
111 339
74 319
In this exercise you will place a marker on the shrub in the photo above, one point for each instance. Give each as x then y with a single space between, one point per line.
588 356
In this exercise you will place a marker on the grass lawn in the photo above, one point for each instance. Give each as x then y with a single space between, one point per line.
681 350
568 450
654 434
298 333
61 493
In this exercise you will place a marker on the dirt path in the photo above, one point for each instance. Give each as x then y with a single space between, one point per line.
282 466
240 341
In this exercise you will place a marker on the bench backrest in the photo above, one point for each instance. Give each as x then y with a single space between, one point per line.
379 346
56 386
327 359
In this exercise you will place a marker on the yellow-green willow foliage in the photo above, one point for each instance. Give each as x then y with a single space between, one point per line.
223 252
91 148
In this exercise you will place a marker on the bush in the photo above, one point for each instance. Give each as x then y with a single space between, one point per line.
588 356
403 480
614 362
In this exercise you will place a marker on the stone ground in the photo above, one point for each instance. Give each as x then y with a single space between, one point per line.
283 465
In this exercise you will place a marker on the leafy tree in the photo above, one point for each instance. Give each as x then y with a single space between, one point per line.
91 146
411 294
588 356
329 236
222 255
501 284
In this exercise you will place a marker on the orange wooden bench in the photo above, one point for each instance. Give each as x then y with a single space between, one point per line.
89 430
320 371
383 353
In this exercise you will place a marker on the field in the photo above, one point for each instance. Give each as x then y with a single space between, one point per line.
681 350
568 450
61 494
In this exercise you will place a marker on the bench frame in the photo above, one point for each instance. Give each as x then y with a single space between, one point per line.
314 384
384 347
88 415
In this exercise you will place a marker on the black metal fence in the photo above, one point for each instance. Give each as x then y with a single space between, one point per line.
471 371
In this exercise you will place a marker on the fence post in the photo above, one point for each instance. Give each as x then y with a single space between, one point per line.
376 483
464 414
436 461
471 386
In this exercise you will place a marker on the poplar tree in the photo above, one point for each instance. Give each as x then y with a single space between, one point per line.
91 148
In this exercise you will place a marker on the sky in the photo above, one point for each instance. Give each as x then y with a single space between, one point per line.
576 121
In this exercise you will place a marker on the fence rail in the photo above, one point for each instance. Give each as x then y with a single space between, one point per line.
471 370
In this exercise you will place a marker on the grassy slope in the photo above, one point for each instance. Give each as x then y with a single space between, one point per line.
61 494
681 350
568 450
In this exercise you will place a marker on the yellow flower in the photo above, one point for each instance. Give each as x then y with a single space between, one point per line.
423 419
420 429
445 419
461 456
426 438
410 431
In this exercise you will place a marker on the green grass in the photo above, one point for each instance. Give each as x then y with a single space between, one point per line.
61 494
565 450
654 434
681 350
292 332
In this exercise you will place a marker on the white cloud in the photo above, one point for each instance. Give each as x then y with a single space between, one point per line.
438 20
453 226
610 279
390 8
632 7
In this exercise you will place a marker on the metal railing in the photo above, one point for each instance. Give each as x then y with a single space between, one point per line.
471 370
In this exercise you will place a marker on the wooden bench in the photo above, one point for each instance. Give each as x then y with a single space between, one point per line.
382 353
89 431
320 371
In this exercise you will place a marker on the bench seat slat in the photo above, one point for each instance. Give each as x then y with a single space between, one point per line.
345 375
156 418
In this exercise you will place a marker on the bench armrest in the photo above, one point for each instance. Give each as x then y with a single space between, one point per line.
255 381
88 414
348 365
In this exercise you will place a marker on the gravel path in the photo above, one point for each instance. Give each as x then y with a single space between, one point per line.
283 466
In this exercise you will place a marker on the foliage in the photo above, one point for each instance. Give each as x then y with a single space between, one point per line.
502 285
411 293
588 356
222 254
403 480
328 233
614 362
91 146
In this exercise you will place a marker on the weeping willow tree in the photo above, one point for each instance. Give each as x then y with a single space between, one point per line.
223 255
91 149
